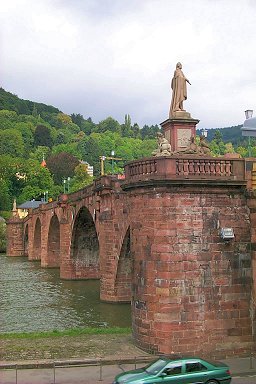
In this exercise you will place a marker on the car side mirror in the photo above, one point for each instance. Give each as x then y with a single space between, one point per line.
163 374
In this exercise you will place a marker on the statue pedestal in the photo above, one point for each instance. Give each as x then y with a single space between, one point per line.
179 129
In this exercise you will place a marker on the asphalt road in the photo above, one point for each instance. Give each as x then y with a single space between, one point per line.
78 375
244 380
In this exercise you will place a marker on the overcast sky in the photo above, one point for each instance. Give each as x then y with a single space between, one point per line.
105 58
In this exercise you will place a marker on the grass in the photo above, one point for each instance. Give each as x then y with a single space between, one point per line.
68 332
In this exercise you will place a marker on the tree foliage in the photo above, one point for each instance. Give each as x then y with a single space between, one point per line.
11 142
42 136
30 131
61 166
81 178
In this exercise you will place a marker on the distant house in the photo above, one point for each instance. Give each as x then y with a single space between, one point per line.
23 208
89 167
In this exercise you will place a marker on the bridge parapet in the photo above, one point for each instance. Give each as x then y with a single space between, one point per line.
197 169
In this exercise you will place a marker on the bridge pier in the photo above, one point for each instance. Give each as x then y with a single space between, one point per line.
192 290
15 239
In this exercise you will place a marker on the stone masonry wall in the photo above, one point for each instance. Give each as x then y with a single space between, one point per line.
15 238
191 289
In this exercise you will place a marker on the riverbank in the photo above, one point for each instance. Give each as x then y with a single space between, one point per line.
63 346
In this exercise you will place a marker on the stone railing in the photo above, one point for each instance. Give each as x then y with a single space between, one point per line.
178 168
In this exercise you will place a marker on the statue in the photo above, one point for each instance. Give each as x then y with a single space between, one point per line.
164 147
204 146
192 148
179 90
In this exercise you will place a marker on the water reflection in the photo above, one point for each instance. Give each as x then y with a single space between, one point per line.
35 299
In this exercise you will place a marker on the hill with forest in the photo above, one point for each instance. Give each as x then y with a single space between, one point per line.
44 151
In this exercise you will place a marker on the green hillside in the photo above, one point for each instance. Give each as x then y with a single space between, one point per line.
12 102
228 134
31 132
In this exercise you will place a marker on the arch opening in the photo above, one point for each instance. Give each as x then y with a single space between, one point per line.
53 249
37 241
85 245
124 270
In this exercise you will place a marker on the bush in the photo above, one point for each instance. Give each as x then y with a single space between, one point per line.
2 236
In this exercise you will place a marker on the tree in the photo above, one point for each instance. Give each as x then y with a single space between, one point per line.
64 119
11 143
81 178
149 132
136 131
77 119
61 166
8 119
38 180
229 148
34 112
42 136
109 124
5 196
126 127
40 153
68 148
91 152
217 137
26 130
8 166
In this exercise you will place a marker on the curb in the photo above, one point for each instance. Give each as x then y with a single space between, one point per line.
65 363
74 363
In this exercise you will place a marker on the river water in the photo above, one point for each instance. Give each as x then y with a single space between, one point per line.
36 299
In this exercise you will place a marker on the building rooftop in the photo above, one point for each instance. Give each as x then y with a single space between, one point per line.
30 204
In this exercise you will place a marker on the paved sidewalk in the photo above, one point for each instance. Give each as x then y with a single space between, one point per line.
91 371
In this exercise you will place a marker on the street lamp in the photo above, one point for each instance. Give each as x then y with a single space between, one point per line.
204 132
248 115
112 161
45 196
68 179
64 185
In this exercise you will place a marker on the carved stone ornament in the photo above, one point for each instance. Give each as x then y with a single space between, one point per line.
164 147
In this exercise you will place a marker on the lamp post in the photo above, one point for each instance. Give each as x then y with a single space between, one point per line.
248 115
64 185
68 179
102 159
112 161
204 132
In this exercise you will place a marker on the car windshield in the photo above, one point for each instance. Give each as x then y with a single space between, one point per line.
155 367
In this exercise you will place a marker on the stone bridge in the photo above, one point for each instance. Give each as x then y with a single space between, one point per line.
155 240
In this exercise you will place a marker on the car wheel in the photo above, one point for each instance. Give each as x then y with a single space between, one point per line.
212 382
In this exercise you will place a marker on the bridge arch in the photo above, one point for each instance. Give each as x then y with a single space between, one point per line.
84 251
124 270
53 244
37 240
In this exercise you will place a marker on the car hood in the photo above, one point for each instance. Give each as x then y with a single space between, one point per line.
131 376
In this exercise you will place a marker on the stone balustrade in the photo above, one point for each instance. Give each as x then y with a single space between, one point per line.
192 168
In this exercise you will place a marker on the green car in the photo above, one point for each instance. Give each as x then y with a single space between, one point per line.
177 371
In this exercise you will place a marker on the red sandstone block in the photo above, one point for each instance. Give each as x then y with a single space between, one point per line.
159 248
243 313
166 326
222 281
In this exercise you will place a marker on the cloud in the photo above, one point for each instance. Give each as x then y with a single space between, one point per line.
102 58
